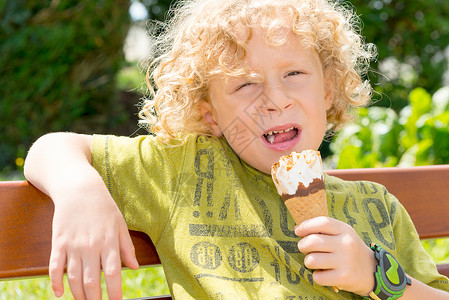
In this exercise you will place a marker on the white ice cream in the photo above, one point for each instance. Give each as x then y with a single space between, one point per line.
297 168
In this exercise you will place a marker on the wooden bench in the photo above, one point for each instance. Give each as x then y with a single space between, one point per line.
26 217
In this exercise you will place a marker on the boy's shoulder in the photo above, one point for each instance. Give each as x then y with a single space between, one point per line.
180 142
356 189
184 143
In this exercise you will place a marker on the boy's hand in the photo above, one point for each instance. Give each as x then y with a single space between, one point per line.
89 232
337 254
88 229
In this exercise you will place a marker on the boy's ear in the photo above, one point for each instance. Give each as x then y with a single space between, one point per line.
206 112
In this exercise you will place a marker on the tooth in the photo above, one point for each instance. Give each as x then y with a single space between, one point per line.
270 134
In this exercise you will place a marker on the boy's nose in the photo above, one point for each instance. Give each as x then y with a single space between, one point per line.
277 100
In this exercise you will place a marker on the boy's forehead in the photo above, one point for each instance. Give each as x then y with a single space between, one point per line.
246 38
249 69
233 23
245 34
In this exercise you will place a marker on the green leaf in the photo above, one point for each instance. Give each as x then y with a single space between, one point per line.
350 157
440 100
424 155
421 101
408 159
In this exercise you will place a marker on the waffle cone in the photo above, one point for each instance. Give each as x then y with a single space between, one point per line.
310 206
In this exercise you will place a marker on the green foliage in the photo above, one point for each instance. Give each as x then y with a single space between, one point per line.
418 135
58 62
130 78
416 34
157 9
143 282
438 249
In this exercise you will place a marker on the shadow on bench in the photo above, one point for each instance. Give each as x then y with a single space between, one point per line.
26 216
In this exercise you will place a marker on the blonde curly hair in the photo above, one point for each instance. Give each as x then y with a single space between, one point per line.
203 38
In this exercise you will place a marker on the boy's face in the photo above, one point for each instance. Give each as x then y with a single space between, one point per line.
280 111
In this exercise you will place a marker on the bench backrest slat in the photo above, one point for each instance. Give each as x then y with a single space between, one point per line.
424 192
26 216
25 237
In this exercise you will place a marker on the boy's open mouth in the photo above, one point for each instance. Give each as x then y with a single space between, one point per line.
276 137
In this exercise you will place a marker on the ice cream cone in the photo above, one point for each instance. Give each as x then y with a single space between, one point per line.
305 207
299 180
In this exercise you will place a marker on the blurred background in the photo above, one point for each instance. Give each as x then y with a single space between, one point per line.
69 65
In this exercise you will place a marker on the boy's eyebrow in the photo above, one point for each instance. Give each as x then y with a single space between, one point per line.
252 76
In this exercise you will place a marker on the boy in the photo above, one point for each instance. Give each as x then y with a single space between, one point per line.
239 83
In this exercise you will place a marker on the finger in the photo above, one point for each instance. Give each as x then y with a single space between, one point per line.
328 277
320 261
318 243
75 277
92 277
110 260
56 271
324 225
127 250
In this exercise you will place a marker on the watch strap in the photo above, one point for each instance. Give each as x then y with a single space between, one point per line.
390 279
373 296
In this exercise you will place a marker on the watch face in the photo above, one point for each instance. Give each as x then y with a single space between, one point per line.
393 275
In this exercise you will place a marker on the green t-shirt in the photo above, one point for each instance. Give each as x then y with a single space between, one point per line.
223 232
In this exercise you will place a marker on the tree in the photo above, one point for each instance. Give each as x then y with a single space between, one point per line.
58 63
411 37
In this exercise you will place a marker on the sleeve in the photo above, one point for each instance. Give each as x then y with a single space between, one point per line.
141 176
409 252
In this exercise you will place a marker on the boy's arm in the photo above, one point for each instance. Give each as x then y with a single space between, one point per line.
419 290
88 229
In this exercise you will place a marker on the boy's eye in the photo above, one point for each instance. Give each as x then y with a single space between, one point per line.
243 85
293 73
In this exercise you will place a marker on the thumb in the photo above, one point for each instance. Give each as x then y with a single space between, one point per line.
127 250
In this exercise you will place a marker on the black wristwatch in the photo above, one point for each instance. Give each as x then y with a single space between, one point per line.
389 279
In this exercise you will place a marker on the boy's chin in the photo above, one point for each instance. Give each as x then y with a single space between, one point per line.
263 169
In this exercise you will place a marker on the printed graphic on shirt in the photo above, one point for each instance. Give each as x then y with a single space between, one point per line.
253 241
368 208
